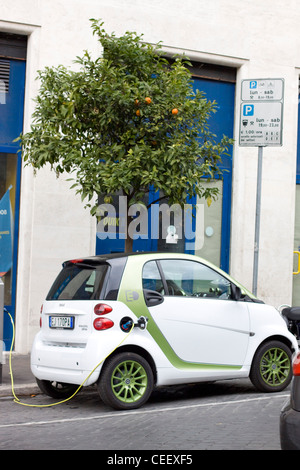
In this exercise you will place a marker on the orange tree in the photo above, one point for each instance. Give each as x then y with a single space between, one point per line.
123 122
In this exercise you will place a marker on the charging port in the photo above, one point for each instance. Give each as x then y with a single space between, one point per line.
126 324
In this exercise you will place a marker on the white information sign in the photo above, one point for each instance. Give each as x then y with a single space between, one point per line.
261 112
261 124
268 89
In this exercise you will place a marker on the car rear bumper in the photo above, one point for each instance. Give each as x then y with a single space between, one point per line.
80 377
72 373
289 428
72 364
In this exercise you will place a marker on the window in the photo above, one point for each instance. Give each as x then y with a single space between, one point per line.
190 278
77 283
151 278
4 80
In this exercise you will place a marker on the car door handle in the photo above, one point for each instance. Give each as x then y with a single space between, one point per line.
152 297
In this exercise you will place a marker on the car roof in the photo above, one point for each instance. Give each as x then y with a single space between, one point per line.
101 258
112 256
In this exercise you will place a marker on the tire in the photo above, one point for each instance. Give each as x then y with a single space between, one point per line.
271 369
126 381
57 389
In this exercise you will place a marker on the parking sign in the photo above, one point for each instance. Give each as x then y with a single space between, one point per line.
248 110
266 89
261 112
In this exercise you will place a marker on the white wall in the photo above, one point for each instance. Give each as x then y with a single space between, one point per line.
259 38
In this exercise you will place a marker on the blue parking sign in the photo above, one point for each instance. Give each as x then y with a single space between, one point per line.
248 110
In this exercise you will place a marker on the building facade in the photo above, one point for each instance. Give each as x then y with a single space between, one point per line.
228 42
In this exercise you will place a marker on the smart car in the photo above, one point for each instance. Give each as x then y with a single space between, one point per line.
132 322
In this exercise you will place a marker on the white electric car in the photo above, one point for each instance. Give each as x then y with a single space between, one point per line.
131 322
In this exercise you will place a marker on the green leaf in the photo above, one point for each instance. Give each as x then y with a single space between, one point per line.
85 122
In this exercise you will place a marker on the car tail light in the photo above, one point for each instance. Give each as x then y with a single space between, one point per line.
296 365
103 324
102 309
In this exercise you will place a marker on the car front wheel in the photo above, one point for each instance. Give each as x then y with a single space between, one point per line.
271 369
126 381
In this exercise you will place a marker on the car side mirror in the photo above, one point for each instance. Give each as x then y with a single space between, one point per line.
236 292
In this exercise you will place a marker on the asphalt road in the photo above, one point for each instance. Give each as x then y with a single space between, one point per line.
228 415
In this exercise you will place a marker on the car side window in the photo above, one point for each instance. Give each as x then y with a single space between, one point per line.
190 278
152 278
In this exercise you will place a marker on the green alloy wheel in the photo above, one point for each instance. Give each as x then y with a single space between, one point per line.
271 369
126 381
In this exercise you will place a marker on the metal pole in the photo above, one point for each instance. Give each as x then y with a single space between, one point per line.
257 219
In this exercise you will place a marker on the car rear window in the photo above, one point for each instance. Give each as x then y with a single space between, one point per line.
77 282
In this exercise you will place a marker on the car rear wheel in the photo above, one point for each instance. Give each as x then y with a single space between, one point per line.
271 369
57 389
126 381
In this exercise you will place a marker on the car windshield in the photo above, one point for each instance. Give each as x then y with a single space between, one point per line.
76 282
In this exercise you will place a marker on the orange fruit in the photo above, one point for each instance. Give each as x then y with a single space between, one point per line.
148 100
138 112
174 111
136 102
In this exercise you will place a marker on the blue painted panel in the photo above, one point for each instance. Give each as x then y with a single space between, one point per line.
11 113
222 123
11 126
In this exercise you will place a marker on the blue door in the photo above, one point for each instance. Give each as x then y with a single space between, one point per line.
12 87
217 216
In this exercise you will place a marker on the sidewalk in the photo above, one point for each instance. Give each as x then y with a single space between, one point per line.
24 381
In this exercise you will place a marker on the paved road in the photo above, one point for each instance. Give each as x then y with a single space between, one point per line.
228 415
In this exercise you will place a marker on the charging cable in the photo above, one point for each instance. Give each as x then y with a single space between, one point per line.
17 400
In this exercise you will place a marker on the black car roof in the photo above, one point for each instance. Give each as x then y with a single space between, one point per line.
106 257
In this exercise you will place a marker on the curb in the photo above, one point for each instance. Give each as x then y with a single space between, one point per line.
20 390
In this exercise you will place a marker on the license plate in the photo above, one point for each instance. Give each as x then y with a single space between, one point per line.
61 322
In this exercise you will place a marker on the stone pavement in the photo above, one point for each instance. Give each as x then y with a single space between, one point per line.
23 379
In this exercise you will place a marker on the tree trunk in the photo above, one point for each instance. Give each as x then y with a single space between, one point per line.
128 244
128 239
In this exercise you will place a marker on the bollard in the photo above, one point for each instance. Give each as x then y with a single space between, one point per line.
1 325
